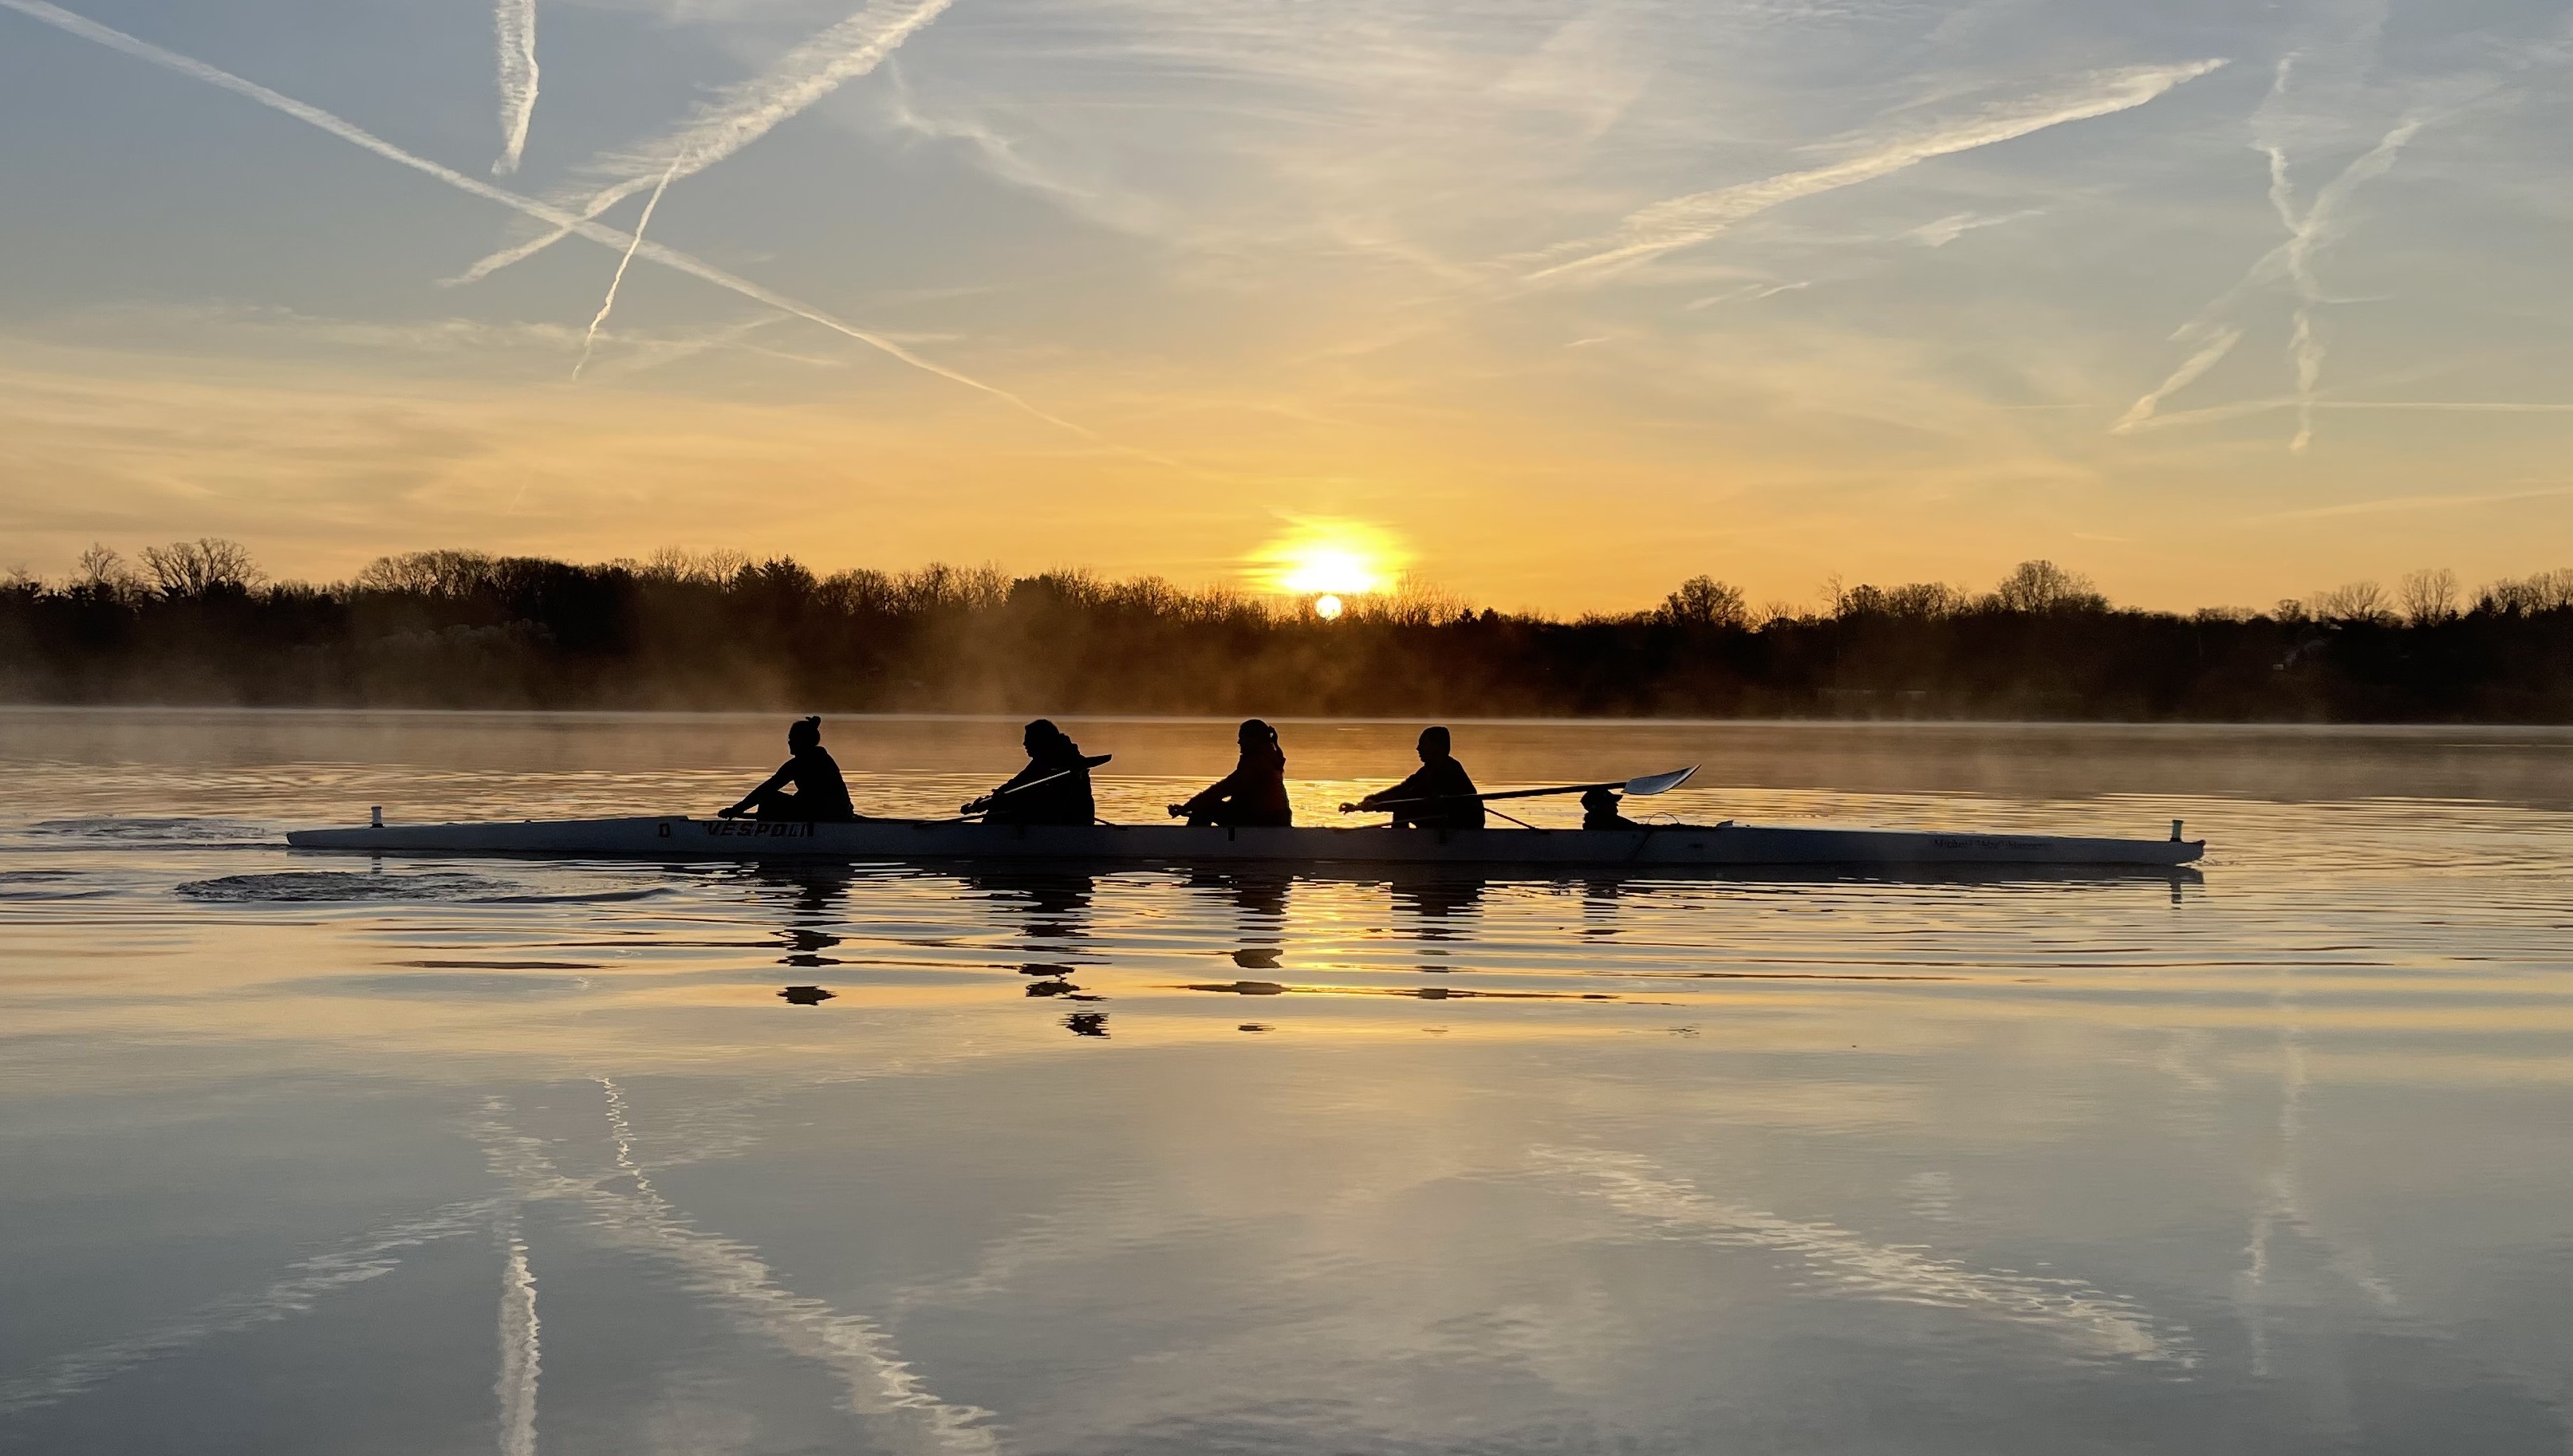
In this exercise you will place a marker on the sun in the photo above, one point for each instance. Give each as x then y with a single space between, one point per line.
1332 570
1327 607
1330 559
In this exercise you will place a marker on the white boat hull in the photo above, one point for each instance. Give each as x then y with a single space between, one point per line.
674 838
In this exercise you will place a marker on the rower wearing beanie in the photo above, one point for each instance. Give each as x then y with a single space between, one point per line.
1441 794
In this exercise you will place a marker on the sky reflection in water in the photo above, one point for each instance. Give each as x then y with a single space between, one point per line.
314 1154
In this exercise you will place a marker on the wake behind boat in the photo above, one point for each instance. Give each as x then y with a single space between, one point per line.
675 837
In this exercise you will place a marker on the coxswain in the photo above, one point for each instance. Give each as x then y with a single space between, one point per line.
820 795
1053 789
1253 794
1439 796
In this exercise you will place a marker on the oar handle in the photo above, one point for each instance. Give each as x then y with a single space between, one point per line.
1484 798
1090 762
977 806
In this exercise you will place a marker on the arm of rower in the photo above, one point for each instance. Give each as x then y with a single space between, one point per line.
1409 788
742 806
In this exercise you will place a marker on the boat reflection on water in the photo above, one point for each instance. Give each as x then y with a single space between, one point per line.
1050 910
1044 904
1332 931
815 900
1257 899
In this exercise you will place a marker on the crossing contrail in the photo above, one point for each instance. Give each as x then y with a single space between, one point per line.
876 1382
740 116
515 21
589 341
355 135
1684 221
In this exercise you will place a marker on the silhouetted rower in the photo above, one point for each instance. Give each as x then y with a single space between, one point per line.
1439 796
1253 794
1600 810
1053 789
820 795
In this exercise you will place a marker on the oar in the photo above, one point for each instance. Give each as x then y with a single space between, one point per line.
1642 788
983 804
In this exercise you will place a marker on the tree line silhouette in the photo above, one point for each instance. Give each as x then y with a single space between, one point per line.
198 623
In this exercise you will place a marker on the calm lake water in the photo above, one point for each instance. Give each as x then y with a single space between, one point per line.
304 1154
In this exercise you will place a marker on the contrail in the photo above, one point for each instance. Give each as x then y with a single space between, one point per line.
2107 1324
56 16
742 115
2293 261
1684 221
731 1276
2180 378
2317 226
589 341
516 24
2282 1203
516 1388
306 1282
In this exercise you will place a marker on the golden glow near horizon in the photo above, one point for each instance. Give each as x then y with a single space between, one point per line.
1331 560
1327 607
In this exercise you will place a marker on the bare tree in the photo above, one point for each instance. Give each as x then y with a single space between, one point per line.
2356 601
100 573
201 567
2042 587
707 568
1917 600
1703 602
2544 592
427 574
2430 597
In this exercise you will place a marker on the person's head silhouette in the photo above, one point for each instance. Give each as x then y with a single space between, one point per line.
1435 745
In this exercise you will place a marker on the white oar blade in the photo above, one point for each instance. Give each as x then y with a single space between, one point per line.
1651 784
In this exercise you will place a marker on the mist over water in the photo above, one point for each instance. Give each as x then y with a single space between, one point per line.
309 1152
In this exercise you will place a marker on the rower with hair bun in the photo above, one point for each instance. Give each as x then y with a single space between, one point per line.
1254 795
820 795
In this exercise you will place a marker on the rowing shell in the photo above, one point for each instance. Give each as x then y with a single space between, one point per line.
906 839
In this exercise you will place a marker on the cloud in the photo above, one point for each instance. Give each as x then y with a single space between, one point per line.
740 116
1949 228
514 22
1753 293
1683 222
2398 503
118 40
